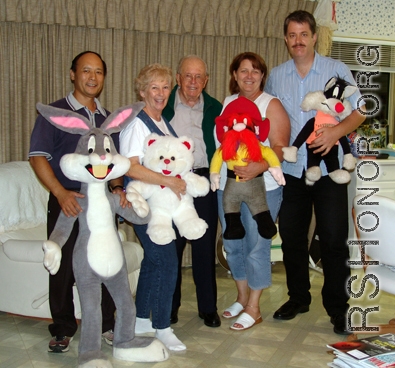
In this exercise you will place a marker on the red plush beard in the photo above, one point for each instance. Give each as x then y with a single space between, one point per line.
232 140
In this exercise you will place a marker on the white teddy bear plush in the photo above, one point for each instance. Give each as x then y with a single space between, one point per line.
172 156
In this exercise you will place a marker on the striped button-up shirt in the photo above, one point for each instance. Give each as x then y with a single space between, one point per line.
285 83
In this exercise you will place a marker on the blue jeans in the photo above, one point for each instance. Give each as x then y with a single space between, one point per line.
249 258
157 280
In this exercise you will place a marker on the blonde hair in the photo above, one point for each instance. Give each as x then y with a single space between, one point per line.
150 73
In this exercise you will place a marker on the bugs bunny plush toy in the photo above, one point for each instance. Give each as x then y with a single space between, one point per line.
98 255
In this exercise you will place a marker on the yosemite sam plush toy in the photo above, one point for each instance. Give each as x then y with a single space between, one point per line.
244 129
172 156
98 255
330 104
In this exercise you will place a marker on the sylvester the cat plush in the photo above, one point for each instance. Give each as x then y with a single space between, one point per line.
331 108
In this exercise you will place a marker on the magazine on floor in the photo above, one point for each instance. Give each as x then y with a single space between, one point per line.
345 361
374 351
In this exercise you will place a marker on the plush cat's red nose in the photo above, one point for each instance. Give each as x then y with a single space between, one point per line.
339 107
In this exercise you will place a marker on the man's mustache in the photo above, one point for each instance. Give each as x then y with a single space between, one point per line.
299 45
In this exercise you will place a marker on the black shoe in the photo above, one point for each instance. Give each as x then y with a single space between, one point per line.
174 316
289 310
210 319
339 324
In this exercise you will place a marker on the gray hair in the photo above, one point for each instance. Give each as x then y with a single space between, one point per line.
191 57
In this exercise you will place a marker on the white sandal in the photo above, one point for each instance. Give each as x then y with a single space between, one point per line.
234 310
246 322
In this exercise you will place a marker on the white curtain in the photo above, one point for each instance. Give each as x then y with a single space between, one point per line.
39 38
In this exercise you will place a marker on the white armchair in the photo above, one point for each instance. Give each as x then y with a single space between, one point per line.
23 215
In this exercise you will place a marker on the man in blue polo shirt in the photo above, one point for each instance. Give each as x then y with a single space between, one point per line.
48 144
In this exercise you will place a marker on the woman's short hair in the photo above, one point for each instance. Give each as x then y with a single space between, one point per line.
257 63
151 73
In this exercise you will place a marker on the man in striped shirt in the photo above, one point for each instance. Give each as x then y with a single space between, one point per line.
308 71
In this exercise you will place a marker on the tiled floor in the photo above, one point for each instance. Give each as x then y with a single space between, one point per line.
300 342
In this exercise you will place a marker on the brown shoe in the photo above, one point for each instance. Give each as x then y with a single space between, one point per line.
59 344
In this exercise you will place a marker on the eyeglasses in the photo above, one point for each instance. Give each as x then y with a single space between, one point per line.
197 77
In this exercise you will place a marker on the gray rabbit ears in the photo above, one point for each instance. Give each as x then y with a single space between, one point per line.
74 123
